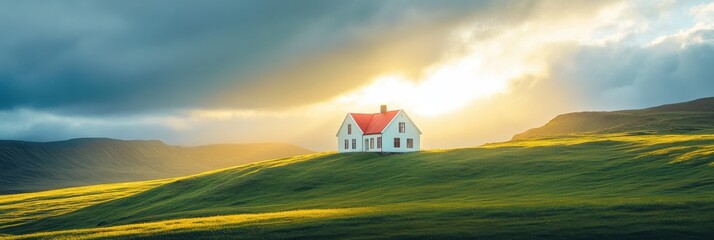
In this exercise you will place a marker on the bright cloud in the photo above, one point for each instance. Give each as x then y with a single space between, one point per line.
485 66
704 13
502 66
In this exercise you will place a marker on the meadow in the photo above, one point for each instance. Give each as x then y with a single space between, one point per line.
586 186
40 166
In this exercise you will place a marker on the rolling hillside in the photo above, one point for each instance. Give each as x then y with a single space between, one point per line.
640 183
33 166
690 117
583 187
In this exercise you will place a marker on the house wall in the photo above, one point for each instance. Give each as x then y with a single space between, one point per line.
392 131
373 136
356 134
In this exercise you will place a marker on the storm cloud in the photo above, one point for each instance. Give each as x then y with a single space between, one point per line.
192 72
674 69
113 57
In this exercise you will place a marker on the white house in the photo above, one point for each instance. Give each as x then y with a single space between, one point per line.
386 131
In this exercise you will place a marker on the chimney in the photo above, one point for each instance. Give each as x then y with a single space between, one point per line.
383 109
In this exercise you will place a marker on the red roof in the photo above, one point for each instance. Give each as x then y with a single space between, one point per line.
373 123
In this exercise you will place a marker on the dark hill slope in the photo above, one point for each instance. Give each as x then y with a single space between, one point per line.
33 166
599 187
690 117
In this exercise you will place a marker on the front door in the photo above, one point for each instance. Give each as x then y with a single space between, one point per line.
366 145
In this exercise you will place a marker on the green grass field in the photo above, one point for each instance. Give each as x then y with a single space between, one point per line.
40 166
590 186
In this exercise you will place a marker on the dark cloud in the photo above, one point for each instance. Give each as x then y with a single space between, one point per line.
117 56
98 57
127 69
617 76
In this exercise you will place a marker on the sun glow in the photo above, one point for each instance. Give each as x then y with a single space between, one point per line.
443 89
481 67
482 61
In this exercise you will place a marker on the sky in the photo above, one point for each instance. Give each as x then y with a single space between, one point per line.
467 72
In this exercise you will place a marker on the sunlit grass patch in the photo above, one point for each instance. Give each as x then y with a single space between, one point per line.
699 147
18 208
292 160
575 219
702 151
198 224
643 140
670 150
268 163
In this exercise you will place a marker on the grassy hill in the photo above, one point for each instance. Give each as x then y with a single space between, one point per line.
690 117
33 166
647 175
584 187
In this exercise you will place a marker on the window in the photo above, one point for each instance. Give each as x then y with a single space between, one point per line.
349 129
371 143
401 127
347 144
379 142
410 143
354 143
396 143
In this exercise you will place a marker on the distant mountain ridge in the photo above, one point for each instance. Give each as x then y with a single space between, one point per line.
695 116
35 166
